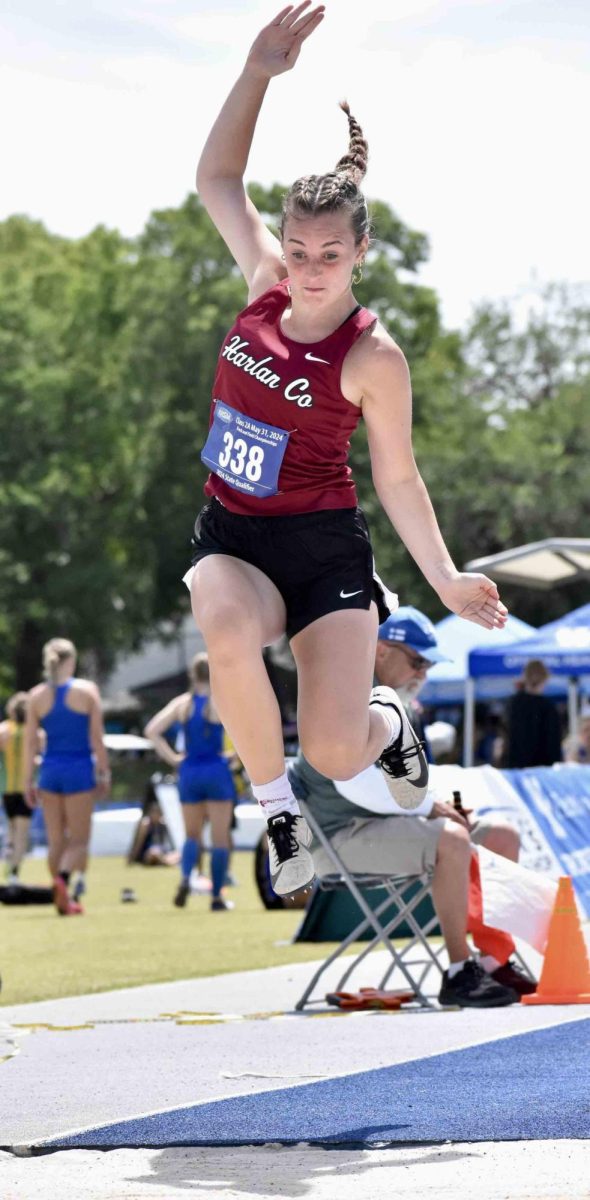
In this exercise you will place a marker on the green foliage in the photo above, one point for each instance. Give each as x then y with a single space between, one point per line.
74 552
533 384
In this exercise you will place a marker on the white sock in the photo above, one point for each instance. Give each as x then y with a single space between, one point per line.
276 796
394 722
489 963
455 967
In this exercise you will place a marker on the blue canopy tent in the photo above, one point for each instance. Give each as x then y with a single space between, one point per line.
445 682
564 647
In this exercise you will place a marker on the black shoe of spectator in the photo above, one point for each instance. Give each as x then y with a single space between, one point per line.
182 894
472 987
512 977
220 904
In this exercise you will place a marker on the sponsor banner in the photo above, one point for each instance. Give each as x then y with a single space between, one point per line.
491 796
558 799
550 807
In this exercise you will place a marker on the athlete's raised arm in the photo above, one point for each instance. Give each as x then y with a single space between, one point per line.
221 168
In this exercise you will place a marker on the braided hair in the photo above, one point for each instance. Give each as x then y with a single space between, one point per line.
313 195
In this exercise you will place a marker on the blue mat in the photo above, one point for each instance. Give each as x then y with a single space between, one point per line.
529 1087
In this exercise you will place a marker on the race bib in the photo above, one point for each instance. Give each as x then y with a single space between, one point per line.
244 452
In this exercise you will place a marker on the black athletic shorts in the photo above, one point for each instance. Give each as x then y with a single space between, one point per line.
15 805
320 562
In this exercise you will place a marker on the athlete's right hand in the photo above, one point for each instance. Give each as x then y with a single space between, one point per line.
277 47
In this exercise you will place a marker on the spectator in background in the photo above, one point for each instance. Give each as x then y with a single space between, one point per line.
534 735
74 766
152 845
373 834
16 807
576 747
490 745
205 782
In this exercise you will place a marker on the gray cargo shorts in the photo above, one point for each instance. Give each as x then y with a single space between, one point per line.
399 846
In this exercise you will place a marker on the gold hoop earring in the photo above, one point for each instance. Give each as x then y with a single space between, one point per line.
357 274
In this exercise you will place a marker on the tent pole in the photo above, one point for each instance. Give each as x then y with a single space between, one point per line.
468 722
572 705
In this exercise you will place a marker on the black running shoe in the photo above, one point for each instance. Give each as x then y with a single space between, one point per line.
512 976
404 764
291 864
182 894
472 987
219 904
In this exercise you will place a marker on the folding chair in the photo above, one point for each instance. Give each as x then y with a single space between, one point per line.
397 909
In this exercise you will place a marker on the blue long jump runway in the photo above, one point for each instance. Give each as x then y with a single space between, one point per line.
532 1086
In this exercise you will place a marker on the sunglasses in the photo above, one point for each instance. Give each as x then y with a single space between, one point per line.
415 660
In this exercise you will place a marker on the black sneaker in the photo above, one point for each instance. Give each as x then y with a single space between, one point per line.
219 904
512 977
182 894
404 764
291 864
472 987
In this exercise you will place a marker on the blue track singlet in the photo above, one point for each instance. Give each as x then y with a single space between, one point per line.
67 765
204 774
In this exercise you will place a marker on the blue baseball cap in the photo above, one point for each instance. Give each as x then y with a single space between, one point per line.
409 627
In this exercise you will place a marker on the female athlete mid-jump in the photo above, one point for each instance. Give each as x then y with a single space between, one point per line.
281 544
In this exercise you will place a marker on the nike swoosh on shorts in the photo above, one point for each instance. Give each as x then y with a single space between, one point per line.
345 595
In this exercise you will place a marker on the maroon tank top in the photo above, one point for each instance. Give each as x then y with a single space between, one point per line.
293 386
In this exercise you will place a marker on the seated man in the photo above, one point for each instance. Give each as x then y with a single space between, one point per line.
372 834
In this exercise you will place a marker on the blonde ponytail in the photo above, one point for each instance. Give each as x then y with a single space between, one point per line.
56 652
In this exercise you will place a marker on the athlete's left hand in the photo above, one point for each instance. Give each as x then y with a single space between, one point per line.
476 598
277 47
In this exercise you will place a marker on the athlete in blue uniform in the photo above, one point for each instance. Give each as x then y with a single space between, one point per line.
73 766
205 781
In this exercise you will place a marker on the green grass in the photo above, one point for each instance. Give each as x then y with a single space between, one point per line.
114 945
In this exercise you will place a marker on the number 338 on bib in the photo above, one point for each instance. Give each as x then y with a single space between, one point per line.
244 453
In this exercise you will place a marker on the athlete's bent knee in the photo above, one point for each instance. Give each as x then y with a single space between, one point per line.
335 760
228 629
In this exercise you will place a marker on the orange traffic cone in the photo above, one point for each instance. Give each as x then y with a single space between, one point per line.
565 978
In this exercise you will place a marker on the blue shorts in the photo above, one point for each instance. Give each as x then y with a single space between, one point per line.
207 780
67 775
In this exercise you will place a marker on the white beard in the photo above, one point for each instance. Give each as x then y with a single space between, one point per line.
408 692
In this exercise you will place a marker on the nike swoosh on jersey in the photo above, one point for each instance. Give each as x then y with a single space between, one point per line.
312 358
345 595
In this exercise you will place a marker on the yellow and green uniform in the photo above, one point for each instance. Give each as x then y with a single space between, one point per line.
14 761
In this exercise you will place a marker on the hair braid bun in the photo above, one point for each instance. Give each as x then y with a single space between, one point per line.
354 163
338 191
